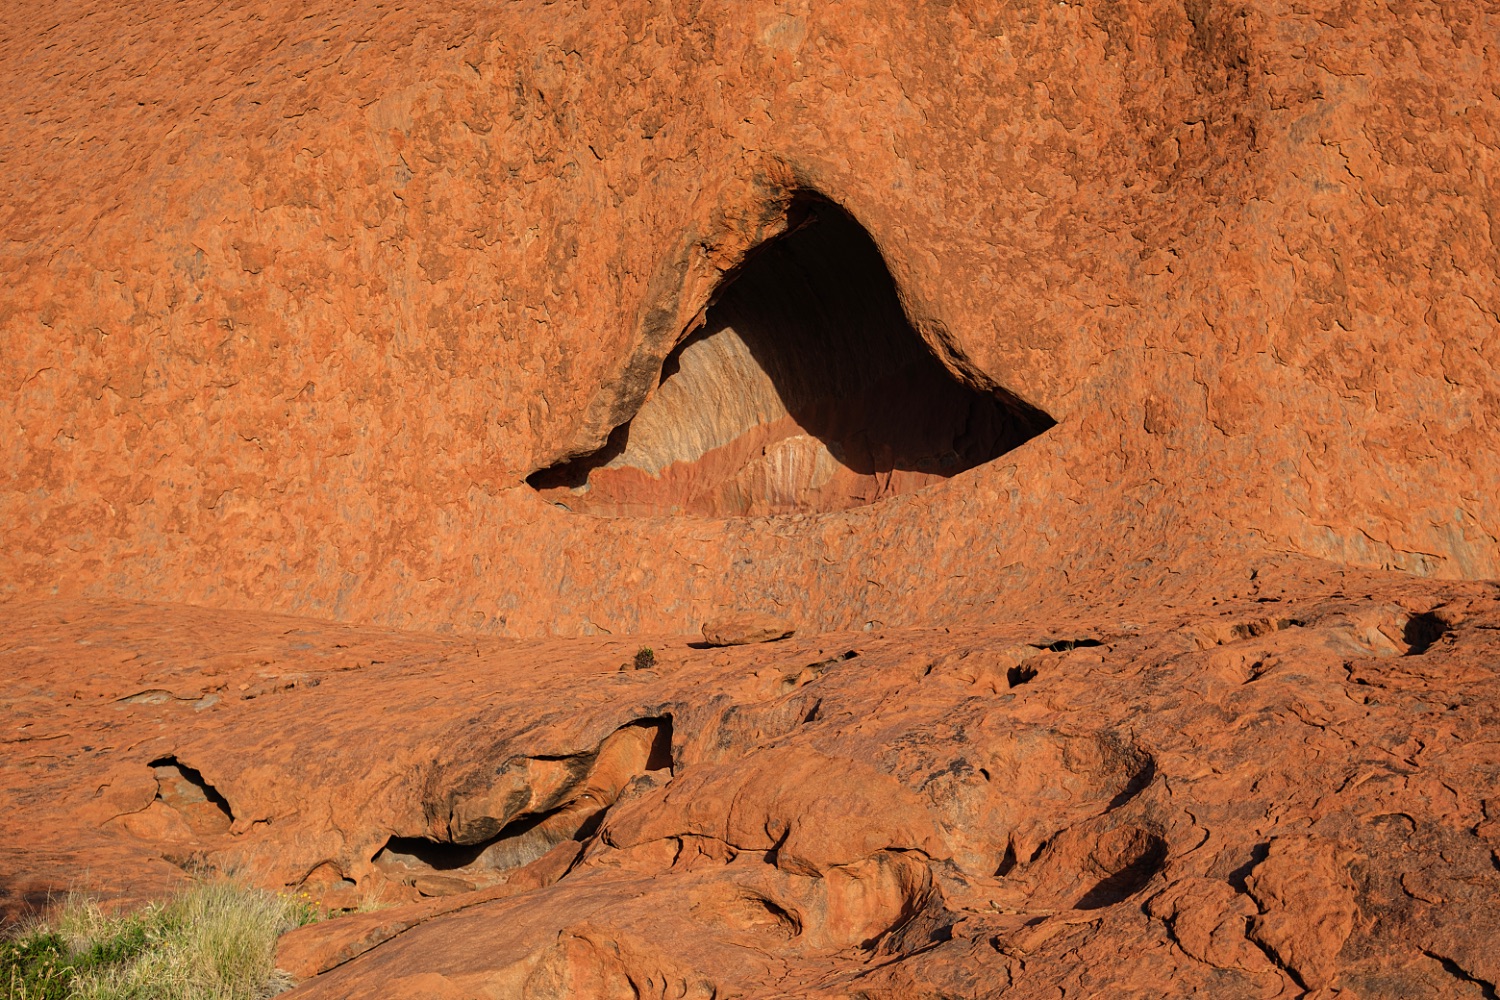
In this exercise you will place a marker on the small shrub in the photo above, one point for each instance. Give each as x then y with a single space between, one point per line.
645 658
35 967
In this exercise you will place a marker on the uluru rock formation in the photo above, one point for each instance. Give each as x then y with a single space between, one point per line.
1105 392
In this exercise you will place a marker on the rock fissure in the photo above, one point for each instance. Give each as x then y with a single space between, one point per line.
184 789
544 799
1463 975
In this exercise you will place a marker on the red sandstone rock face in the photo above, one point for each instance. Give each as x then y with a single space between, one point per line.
1285 786
297 296
1021 354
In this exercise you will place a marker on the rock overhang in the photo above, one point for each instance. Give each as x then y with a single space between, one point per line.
799 387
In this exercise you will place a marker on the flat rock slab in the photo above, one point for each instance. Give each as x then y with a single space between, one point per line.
743 630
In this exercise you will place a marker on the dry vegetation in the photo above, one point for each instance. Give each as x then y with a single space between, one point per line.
216 940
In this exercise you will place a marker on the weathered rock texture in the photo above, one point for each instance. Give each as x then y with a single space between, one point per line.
297 296
1071 375
1287 785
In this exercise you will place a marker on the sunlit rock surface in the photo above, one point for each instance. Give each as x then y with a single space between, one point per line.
400 401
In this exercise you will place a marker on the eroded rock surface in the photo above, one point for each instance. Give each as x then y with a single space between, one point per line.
298 296
1031 357
1287 783
743 629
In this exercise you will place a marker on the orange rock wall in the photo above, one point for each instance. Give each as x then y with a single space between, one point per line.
296 295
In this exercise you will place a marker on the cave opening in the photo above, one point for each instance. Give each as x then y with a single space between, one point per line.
805 390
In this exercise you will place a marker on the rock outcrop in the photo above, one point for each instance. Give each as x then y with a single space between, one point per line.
1285 785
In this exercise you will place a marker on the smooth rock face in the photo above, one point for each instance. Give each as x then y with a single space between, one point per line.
1284 783
298 296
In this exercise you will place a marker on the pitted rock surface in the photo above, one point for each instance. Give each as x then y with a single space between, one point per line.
298 295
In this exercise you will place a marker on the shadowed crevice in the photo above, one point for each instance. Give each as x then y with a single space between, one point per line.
1422 632
1147 855
806 390
183 788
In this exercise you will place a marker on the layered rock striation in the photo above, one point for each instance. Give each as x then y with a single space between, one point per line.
806 390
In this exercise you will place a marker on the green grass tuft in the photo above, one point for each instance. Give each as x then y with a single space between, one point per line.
35 967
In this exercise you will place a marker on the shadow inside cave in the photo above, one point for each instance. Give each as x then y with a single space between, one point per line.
805 390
